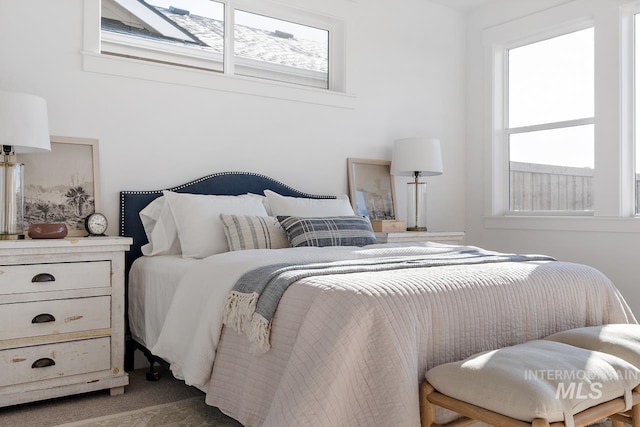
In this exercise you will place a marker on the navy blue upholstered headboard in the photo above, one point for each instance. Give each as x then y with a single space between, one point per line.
223 183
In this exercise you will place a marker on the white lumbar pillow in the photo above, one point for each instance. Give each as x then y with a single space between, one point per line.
305 207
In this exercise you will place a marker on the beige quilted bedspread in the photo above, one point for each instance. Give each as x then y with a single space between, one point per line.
350 350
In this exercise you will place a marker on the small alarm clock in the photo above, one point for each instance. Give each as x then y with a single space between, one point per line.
96 224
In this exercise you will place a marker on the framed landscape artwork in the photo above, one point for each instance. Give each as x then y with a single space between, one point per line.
62 185
371 188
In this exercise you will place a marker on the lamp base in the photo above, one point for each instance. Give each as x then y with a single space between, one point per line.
11 199
11 236
416 209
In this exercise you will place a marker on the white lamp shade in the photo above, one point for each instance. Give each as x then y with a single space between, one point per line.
412 155
23 122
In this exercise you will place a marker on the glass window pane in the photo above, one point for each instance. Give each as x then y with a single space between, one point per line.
274 49
552 80
193 30
552 170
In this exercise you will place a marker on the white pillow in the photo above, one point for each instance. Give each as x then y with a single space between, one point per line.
264 200
157 221
303 207
197 218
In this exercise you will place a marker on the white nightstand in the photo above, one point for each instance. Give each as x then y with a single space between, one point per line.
449 237
61 317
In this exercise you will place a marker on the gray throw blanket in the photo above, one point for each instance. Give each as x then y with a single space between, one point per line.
252 302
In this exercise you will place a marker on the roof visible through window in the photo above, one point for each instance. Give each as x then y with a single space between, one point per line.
282 47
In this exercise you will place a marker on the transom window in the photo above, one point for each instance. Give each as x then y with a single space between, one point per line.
550 124
267 48
202 33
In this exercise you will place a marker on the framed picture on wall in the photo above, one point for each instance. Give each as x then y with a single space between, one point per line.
62 185
371 188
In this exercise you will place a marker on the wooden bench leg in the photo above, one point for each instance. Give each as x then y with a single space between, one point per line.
635 412
427 409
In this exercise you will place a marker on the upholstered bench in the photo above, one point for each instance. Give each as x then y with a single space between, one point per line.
539 383
622 340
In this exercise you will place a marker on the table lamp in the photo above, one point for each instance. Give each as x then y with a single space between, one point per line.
24 128
416 157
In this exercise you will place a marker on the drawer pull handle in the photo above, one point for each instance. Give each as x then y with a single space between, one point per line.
43 318
43 363
43 277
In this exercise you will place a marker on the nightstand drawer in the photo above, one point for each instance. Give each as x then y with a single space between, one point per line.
42 362
15 279
31 319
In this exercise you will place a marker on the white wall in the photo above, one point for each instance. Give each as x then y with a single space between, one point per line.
405 64
612 249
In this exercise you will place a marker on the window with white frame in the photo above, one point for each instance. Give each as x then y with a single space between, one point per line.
160 32
549 124
279 44
276 49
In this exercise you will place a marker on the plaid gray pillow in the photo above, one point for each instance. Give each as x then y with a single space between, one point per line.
253 232
328 231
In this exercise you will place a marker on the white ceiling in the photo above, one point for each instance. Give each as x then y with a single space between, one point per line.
464 5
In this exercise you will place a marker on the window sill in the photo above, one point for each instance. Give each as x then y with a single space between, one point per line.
167 73
564 223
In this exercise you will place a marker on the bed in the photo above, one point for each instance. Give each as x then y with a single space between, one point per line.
355 327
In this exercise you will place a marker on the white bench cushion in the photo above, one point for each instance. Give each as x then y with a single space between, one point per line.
619 339
525 381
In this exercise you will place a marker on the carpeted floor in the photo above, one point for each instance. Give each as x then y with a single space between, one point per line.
139 394
184 413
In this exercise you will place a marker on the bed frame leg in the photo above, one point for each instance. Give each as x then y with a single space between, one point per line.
152 375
